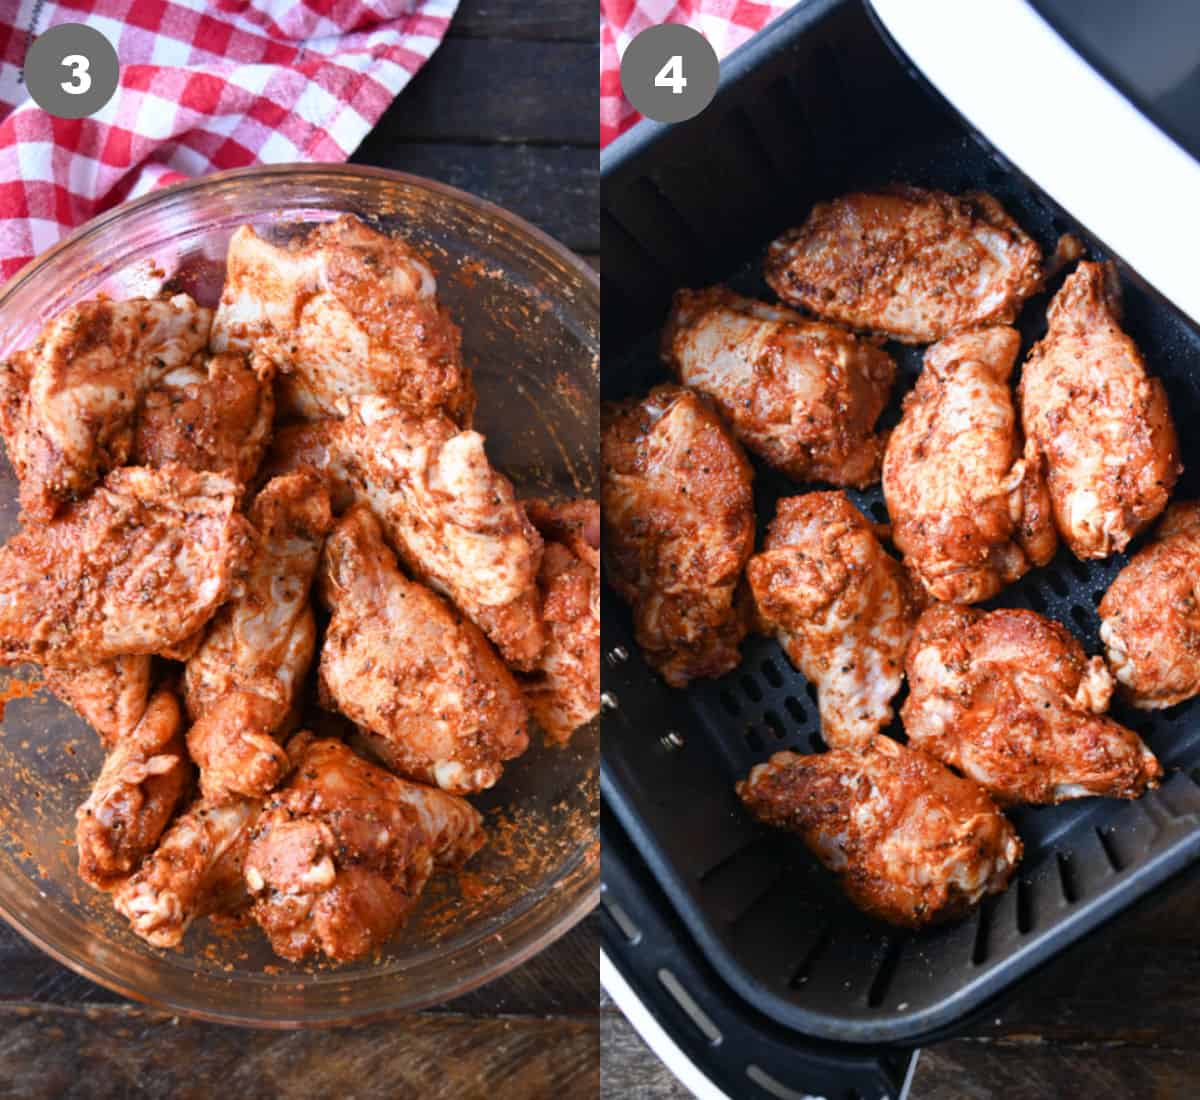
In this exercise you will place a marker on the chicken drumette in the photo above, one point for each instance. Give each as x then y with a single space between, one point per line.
340 855
679 529
68 403
801 394
138 567
911 842
407 667
1150 616
1099 419
344 312
967 498
912 264
1010 699
842 608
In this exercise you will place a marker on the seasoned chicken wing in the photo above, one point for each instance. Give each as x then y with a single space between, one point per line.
679 523
912 264
911 842
341 854
68 403
139 786
213 417
401 662
1150 615
137 567
842 607
344 312
801 394
1101 421
967 499
110 696
452 518
1010 699
563 691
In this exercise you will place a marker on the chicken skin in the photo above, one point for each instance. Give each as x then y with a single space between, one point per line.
802 395
142 780
344 312
1100 420
216 417
68 403
1150 615
1010 699
244 679
842 608
111 696
563 692
403 664
679 529
340 855
138 567
908 263
452 518
912 843
967 499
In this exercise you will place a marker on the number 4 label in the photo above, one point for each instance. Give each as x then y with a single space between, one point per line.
671 75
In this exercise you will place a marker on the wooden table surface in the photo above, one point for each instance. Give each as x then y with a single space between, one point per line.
506 109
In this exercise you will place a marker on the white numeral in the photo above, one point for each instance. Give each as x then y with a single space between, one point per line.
81 79
671 75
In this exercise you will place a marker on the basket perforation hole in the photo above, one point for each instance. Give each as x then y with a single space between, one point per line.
1110 851
1066 876
1082 616
751 688
886 972
775 725
729 703
771 674
804 969
979 952
795 709
1024 906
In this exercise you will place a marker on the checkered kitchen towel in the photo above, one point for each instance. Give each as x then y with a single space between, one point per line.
725 23
205 85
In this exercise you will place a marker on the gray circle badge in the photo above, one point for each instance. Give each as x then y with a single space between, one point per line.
669 73
71 71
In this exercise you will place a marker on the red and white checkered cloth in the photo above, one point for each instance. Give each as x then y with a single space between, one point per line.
725 23
205 85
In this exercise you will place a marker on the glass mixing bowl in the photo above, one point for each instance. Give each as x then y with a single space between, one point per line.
529 312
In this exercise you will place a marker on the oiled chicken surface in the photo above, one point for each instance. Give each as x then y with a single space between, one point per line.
1101 421
110 696
68 403
1150 615
801 394
966 495
341 854
244 679
406 666
678 529
563 691
344 312
909 263
842 608
216 416
138 567
911 842
453 519
1010 699
142 780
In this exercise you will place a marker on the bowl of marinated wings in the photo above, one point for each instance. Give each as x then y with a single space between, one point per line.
299 595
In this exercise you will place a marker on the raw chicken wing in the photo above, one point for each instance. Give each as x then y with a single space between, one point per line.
679 529
801 394
967 498
912 842
111 696
842 608
1011 700
402 663
912 264
1102 423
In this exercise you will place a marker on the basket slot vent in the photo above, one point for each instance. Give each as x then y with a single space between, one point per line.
1084 617
650 217
750 686
818 948
730 703
690 1008
771 673
623 921
979 952
631 259
795 709
1066 877
887 971
776 1088
1025 909
1110 849
775 724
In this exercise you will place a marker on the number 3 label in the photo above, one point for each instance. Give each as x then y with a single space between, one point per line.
671 75
81 79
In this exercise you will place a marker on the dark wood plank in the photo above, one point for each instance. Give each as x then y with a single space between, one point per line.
497 90
118 1051
629 1070
561 21
555 188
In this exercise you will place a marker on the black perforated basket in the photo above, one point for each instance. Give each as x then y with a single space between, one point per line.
816 106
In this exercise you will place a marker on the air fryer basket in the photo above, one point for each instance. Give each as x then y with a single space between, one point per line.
816 106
